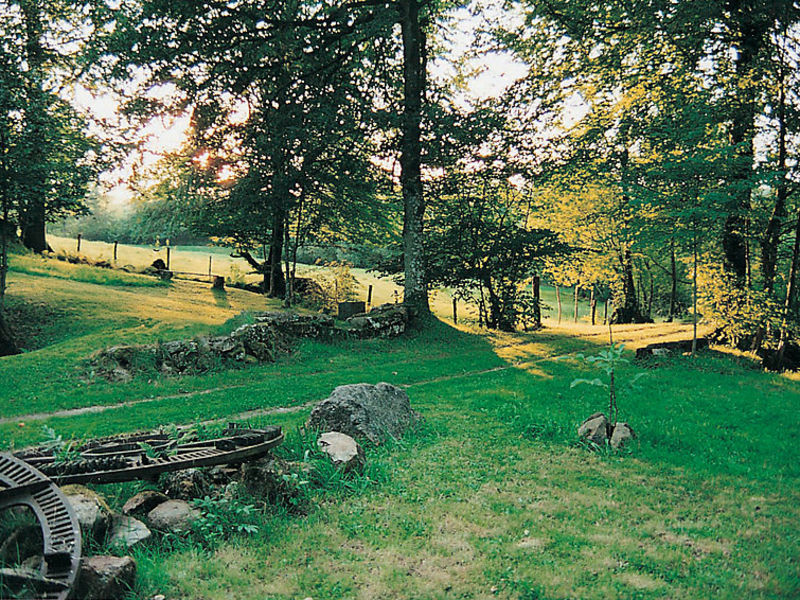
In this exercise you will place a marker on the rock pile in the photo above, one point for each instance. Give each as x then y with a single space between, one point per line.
598 430
272 334
386 320
249 343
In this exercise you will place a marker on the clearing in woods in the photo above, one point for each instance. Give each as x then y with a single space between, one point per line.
491 498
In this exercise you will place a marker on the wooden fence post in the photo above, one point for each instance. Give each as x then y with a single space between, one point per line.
79 242
605 312
116 243
369 296
593 304
168 251
455 311
209 266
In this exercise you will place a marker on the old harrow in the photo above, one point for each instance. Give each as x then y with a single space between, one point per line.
146 455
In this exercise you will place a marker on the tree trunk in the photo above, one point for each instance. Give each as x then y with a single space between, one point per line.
33 213
694 294
558 302
772 237
673 272
750 37
791 293
494 318
575 306
416 289
537 302
627 306
277 282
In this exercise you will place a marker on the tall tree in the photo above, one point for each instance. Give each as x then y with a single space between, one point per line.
49 158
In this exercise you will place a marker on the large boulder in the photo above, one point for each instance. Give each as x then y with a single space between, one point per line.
595 429
343 450
92 511
386 320
104 577
364 411
173 515
143 502
127 531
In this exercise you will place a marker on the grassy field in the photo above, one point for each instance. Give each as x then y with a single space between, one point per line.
195 259
492 497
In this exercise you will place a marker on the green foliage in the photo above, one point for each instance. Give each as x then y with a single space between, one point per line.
337 284
63 450
479 242
737 314
223 518
609 362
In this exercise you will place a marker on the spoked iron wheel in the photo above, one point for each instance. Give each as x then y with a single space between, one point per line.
24 487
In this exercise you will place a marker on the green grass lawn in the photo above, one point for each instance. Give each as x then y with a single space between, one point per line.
491 498
195 259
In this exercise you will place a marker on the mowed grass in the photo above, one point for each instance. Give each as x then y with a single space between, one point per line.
195 259
492 497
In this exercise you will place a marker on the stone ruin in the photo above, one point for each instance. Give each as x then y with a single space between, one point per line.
272 334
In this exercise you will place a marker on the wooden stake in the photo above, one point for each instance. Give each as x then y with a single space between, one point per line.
168 251
116 243
209 266
369 296
455 310
593 304
79 242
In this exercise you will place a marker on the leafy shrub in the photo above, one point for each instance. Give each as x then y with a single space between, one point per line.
337 284
223 518
735 313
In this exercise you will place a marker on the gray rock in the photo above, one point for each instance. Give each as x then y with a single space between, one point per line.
268 480
386 320
296 325
621 435
364 411
143 502
343 450
127 531
105 577
187 484
595 429
258 341
91 510
173 515
34 563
